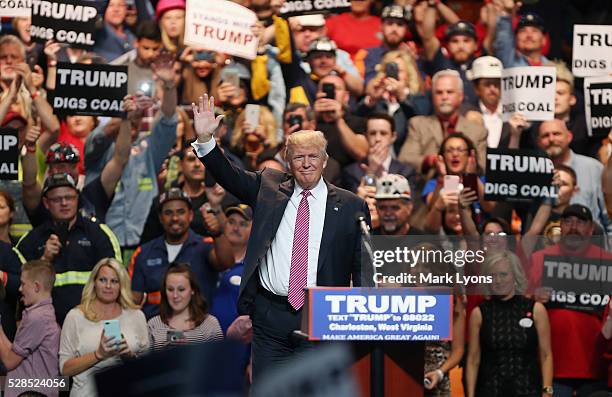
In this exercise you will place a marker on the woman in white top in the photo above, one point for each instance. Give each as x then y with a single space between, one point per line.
183 314
84 349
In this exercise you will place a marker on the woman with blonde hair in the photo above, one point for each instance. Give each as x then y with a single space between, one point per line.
84 348
171 17
509 337
396 90
249 141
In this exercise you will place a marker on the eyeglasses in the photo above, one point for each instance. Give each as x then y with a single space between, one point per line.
493 234
57 200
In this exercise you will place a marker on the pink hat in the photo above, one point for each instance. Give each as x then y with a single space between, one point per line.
167 5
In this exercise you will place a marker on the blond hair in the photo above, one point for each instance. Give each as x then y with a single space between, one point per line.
266 119
89 293
170 44
413 78
564 74
41 271
306 138
520 280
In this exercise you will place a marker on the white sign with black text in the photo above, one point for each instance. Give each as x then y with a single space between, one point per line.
15 8
220 25
529 90
592 52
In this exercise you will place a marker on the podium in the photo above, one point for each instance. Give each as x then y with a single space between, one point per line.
387 329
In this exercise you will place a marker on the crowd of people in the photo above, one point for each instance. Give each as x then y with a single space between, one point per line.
153 221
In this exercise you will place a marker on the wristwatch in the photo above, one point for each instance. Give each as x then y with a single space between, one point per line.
547 390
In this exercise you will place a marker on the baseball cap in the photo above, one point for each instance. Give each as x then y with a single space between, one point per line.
322 44
58 180
392 186
244 210
530 19
579 211
174 193
464 28
396 12
167 5
485 67
315 20
63 152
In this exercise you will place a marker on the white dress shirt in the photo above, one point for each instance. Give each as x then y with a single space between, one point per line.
274 269
493 123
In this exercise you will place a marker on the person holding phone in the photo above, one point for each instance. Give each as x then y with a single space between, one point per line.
85 345
254 131
71 242
397 89
183 315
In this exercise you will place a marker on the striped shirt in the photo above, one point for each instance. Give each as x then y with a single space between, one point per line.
209 330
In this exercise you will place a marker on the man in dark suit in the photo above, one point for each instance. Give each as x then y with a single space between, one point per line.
381 134
304 234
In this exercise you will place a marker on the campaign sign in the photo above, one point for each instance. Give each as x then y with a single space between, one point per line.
380 314
592 53
66 21
221 25
303 7
518 175
96 90
529 90
9 154
15 8
598 105
577 283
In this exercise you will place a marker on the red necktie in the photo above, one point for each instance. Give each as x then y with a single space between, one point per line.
298 274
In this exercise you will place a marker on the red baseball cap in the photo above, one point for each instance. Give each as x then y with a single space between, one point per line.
167 5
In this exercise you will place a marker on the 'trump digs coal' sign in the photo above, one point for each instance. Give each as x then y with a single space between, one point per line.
302 7
597 105
518 175
529 90
9 154
66 21
96 90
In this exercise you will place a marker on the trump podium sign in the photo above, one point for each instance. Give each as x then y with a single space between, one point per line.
384 314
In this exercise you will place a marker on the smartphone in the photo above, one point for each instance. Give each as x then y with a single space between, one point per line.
451 183
204 56
251 115
471 181
61 230
391 70
175 336
231 76
146 87
369 180
330 90
111 328
295 119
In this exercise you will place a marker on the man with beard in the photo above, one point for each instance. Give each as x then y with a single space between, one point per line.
554 138
394 28
179 243
577 365
525 47
461 44
394 206
426 133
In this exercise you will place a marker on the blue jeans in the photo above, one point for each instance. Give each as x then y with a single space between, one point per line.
583 387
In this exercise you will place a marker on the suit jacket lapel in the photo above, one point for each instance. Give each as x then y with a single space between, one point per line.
330 225
283 195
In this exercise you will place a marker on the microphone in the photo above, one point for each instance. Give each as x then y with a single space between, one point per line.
363 225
